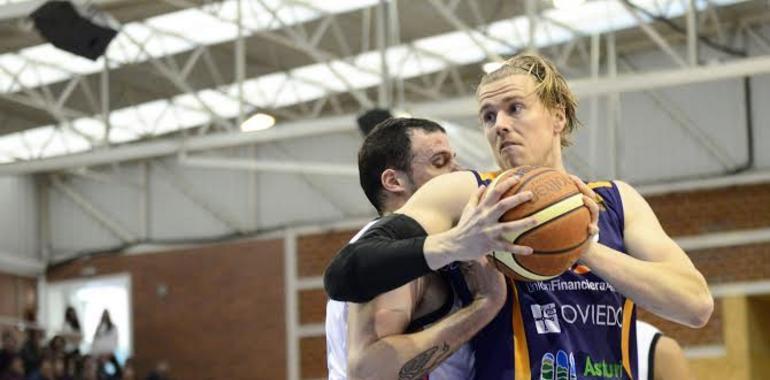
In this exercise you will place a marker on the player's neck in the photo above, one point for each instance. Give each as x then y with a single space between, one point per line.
556 161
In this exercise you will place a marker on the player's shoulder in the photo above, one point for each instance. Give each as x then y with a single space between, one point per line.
447 192
630 197
451 181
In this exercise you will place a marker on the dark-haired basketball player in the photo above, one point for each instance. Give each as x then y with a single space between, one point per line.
424 326
580 324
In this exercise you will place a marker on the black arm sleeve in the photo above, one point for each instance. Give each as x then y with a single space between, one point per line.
387 256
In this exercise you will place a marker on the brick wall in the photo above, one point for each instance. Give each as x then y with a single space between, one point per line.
223 315
715 210
17 294
313 254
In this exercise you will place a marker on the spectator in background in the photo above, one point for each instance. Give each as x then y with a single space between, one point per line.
56 347
87 370
71 331
32 351
106 337
8 350
45 371
61 369
15 370
160 372
108 368
128 370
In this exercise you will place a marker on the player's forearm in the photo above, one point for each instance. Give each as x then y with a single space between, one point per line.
675 292
387 256
439 251
370 267
411 356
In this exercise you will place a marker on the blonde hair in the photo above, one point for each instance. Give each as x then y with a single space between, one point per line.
552 88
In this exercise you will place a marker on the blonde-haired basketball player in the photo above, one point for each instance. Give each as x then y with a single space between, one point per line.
580 324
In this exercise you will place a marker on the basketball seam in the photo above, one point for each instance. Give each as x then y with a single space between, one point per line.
516 259
552 203
562 250
524 269
545 224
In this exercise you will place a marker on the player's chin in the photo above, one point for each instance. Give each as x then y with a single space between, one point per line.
511 161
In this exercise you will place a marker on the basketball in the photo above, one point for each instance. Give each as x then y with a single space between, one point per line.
561 234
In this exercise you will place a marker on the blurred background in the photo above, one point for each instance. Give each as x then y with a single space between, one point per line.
186 168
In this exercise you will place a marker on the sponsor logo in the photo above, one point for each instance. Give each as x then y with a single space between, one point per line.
558 367
561 285
602 369
545 188
548 317
546 320
562 366
597 315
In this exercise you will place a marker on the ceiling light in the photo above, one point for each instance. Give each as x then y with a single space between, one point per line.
258 122
567 4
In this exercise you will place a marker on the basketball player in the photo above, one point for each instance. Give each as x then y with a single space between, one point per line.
660 357
579 324
388 336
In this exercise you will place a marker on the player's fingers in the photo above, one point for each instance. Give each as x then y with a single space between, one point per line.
514 248
501 187
508 203
473 201
583 187
593 230
593 208
516 226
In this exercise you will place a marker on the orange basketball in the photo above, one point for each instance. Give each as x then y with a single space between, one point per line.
561 234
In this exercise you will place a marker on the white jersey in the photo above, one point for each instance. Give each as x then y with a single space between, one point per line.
458 366
646 338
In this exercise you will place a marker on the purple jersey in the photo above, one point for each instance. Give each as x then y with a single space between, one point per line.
575 326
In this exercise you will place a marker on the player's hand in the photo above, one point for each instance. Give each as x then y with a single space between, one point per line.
484 280
589 199
479 230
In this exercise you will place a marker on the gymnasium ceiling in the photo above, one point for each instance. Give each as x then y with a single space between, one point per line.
196 68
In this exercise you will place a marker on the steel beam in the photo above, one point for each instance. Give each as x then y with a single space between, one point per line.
444 109
21 265
91 210
291 167
460 25
180 183
654 35
166 147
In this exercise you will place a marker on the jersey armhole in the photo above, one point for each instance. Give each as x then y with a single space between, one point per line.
651 357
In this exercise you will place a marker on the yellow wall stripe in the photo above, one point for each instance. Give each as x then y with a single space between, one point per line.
520 349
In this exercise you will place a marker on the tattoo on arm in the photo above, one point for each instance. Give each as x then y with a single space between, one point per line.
424 362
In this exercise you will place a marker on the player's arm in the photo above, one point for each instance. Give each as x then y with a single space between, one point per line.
378 347
670 362
658 275
396 250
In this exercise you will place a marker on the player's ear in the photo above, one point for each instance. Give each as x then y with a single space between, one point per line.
392 181
559 119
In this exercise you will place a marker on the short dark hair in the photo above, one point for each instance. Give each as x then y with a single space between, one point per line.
388 146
